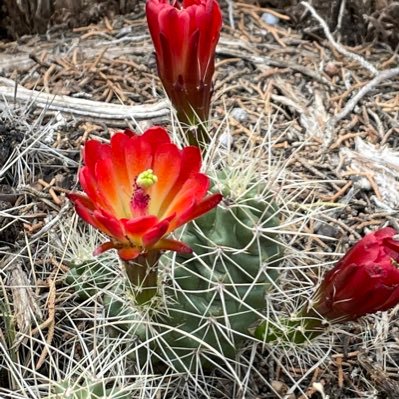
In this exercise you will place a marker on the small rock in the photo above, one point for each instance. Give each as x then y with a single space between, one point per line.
270 19
327 230
239 114
331 69
281 389
226 140
126 30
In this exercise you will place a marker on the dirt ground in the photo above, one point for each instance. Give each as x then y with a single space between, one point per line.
332 114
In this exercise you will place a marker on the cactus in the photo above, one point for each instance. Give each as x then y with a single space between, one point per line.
218 294
214 296
88 277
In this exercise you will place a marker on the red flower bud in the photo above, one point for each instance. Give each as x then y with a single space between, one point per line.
365 280
185 34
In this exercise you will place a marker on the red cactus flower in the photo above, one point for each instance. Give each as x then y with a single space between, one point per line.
185 34
365 280
139 189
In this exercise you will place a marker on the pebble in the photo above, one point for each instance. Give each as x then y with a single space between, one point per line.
270 19
327 230
226 139
239 114
331 69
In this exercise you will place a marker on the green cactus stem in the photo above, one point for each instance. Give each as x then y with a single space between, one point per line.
88 277
143 275
217 294
87 389
299 329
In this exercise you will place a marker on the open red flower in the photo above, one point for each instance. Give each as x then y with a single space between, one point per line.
139 188
365 280
185 34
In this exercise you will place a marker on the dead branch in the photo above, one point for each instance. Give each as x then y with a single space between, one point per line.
341 49
11 92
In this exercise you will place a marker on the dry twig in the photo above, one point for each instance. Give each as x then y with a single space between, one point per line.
81 107
364 63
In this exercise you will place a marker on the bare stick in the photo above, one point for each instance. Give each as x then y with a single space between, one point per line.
231 13
350 105
364 63
79 106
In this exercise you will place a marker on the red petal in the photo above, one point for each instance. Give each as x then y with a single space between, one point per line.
199 209
152 11
392 300
167 244
86 214
104 247
88 183
155 136
210 24
386 232
113 226
82 199
192 72
139 226
166 64
155 234
94 151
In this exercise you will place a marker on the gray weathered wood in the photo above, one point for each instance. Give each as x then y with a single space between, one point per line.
80 107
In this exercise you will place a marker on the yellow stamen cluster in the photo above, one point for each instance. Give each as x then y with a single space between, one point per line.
146 179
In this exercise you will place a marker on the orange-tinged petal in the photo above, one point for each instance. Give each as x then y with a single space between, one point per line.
194 189
104 247
166 167
129 253
167 244
107 185
138 157
118 145
89 185
191 165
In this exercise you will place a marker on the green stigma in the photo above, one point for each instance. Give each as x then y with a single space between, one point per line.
146 179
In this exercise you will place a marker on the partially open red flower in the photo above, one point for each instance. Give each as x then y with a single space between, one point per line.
185 34
139 188
365 280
